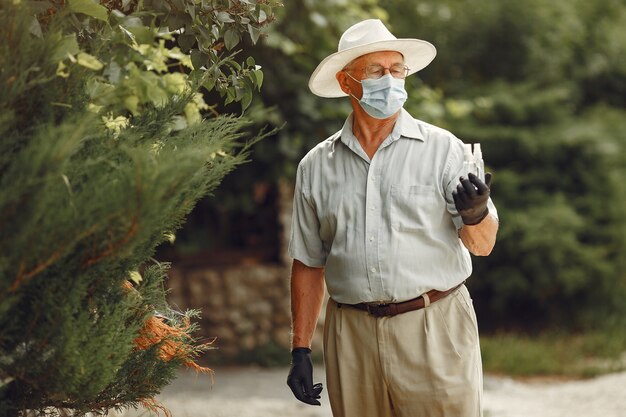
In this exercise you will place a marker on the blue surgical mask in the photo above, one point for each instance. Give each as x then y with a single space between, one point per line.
382 97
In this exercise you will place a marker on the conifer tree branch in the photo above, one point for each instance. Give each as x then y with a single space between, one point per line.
132 231
21 276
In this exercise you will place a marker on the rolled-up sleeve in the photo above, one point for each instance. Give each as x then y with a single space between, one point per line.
305 243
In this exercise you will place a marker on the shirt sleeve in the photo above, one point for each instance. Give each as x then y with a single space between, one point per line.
454 170
305 243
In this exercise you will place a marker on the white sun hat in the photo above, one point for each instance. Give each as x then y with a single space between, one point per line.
363 38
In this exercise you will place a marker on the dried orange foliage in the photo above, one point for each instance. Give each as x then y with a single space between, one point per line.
156 331
155 406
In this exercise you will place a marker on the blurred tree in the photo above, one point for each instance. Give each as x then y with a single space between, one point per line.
104 153
304 33
540 86
540 83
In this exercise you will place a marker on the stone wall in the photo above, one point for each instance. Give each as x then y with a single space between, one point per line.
246 308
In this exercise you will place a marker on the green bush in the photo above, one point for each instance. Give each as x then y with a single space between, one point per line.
104 152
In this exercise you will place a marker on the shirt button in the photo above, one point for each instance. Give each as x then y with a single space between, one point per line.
373 269
371 238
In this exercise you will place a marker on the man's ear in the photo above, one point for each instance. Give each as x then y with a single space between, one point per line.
342 79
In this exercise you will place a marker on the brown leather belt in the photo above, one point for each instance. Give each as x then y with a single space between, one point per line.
392 309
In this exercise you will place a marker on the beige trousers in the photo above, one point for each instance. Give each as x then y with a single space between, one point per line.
424 363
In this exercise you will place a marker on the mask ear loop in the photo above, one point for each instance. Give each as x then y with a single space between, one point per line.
346 71
360 82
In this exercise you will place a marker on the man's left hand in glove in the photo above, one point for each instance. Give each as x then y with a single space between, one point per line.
300 378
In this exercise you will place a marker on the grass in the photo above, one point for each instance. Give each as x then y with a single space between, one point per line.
549 354
554 354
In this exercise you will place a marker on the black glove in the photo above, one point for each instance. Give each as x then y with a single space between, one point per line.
300 378
470 198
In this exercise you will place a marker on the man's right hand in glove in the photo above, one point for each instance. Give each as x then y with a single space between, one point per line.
471 197
300 378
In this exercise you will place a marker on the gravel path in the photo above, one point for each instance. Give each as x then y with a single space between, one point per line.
256 392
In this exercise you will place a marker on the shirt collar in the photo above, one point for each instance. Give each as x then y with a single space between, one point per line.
348 138
406 126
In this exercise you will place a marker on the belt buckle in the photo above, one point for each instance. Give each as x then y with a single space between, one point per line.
378 310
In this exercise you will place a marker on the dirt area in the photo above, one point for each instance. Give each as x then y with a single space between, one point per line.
256 392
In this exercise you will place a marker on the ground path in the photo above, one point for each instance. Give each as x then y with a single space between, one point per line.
257 392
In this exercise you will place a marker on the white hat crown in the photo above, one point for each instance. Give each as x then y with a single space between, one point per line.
363 33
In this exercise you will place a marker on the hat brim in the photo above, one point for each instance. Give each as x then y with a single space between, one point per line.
417 55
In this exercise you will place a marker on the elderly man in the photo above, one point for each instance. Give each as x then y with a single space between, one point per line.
385 215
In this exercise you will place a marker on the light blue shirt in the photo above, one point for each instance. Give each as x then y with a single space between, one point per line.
385 229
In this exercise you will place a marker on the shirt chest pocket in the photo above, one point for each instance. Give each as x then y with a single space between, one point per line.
414 206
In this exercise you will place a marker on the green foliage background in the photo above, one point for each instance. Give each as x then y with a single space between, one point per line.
541 84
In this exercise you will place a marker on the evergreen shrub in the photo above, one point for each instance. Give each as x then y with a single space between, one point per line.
104 152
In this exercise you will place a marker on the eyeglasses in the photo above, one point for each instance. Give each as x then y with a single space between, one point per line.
375 71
